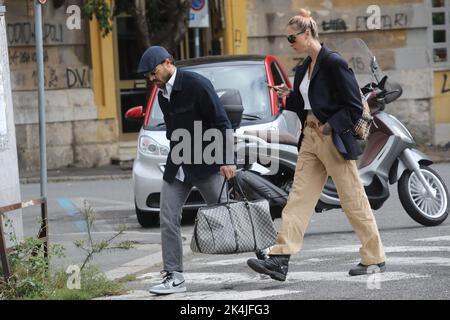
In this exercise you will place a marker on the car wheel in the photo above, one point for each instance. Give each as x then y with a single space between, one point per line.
147 219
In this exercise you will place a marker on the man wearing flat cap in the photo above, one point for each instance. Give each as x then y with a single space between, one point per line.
185 98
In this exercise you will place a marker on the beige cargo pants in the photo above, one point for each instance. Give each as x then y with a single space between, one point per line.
317 160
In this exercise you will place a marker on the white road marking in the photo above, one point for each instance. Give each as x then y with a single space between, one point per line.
343 276
203 295
103 232
435 261
243 261
355 248
224 283
309 261
229 279
434 239
134 266
224 262
141 264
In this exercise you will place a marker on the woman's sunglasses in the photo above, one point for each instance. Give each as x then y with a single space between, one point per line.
292 37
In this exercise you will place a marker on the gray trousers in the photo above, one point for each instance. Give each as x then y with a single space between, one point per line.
173 197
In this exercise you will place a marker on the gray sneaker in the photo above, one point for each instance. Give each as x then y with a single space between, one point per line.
362 269
173 282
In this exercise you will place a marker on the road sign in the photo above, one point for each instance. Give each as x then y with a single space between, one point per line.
198 5
199 14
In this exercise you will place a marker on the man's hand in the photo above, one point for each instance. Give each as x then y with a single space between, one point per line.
228 172
326 130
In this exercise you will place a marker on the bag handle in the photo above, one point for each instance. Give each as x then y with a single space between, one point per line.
236 182
221 191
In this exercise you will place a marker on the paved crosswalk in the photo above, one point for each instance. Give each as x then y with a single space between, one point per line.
227 277
222 283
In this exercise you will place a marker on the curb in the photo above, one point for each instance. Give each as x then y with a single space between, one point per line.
77 178
143 265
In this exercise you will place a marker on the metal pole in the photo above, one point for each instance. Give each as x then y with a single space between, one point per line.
41 95
197 42
3 251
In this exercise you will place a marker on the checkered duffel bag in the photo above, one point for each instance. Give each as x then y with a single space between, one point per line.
233 227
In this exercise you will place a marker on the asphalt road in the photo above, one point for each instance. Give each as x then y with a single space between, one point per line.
418 258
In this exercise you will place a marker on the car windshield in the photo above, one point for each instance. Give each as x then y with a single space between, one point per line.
250 80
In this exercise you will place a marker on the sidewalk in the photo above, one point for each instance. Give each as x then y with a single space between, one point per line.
111 172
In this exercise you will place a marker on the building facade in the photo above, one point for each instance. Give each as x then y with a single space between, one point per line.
89 80
81 121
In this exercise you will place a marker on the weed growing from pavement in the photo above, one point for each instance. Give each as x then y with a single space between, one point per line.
91 247
31 277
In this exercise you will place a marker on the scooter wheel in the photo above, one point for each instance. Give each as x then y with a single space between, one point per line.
420 206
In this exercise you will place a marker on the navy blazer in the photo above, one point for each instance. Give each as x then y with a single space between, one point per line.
335 98
193 98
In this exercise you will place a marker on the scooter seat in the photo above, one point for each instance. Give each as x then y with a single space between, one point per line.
270 136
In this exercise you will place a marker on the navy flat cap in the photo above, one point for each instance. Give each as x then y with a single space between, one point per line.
151 58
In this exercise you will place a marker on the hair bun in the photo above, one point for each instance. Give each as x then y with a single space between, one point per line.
304 13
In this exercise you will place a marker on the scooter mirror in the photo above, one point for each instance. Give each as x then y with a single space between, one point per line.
394 91
382 83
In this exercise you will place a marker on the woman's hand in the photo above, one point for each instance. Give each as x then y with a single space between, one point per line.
282 90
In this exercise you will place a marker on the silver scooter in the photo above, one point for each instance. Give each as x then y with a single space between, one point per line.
389 157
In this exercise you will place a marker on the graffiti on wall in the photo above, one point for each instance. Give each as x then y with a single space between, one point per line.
22 33
334 25
77 77
58 74
397 20
385 21
445 84
441 100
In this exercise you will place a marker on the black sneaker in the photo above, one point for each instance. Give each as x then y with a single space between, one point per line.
362 269
275 266
262 254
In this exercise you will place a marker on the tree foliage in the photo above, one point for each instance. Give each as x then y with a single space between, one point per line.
101 10
159 22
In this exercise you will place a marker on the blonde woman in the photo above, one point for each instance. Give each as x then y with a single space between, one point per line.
327 99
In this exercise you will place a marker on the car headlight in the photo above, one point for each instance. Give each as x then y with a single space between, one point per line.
149 146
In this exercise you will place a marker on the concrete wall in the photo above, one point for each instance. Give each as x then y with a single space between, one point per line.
401 47
9 171
75 134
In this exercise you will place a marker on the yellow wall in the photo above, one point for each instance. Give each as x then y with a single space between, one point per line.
236 41
314 4
441 100
103 72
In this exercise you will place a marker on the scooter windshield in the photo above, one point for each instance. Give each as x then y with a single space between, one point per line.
360 58
366 68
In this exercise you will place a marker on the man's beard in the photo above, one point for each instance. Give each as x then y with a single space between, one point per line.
162 84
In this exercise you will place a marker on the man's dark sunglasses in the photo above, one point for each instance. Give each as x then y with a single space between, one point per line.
153 73
292 37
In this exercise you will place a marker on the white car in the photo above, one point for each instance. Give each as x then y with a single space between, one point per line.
250 75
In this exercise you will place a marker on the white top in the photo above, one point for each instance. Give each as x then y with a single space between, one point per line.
304 89
166 92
